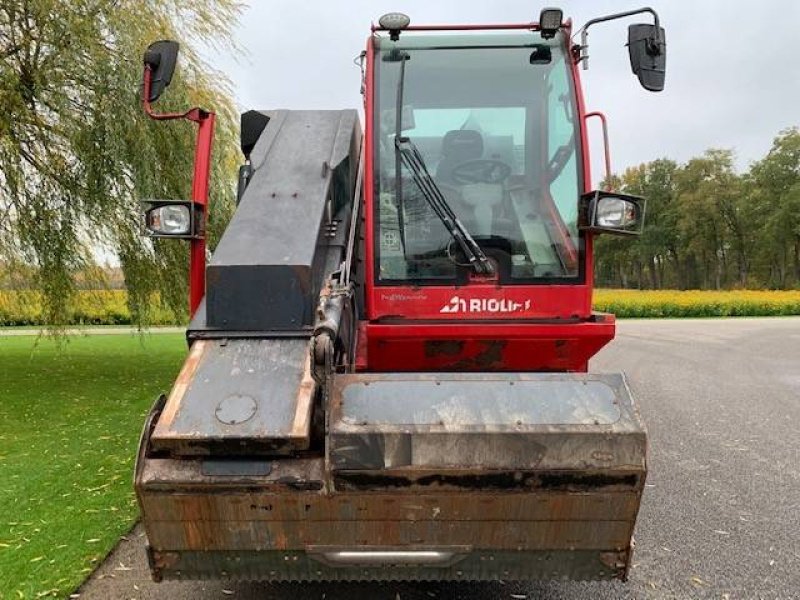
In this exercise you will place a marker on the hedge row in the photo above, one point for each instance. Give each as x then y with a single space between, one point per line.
18 308
89 307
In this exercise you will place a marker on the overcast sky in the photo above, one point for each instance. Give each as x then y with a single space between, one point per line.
733 79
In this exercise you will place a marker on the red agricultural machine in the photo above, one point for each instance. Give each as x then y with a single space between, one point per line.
387 376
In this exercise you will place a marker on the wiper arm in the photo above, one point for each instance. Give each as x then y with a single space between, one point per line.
413 160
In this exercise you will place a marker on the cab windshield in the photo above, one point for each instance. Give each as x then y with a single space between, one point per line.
492 119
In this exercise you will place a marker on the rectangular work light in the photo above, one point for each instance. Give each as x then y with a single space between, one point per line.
611 212
550 22
172 219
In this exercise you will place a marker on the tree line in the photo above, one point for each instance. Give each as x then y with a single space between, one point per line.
708 226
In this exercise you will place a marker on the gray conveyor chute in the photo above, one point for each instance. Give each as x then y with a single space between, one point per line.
288 233
246 387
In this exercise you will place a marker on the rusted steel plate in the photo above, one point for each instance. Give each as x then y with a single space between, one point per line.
183 475
252 506
496 535
272 565
534 421
239 397
213 518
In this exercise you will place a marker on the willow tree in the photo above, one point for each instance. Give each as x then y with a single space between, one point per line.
77 155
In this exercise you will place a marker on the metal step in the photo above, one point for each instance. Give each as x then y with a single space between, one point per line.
239 397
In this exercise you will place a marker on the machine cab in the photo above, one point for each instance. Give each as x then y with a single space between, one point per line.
494 120
478 208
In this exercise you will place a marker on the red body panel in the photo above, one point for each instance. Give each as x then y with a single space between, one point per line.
202 172
486 346
369 179
587 172
480 301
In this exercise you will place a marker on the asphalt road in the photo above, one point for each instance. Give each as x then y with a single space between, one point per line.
721 513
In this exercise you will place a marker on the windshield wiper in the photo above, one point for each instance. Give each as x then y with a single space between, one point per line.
413 160
399 56
407 152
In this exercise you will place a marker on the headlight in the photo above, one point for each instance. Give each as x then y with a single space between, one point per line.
615 212
610 212
170 219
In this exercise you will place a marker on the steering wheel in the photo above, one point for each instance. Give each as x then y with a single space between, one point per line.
481 170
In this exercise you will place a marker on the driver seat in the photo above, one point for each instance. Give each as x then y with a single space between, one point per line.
458 146
478 199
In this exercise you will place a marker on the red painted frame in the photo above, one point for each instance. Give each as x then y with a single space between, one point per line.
405 327
607 150
487 26
200 183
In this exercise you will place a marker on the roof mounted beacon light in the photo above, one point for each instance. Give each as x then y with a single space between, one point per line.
394 23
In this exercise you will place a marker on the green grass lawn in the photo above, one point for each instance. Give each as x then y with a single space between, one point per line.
69 425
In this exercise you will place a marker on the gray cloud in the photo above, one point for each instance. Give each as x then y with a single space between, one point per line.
732 75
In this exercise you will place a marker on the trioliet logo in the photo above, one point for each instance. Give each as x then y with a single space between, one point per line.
484 305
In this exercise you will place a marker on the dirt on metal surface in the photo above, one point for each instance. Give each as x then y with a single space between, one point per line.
239 397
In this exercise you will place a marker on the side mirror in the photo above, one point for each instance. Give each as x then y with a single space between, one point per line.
647 48
161 57
610 212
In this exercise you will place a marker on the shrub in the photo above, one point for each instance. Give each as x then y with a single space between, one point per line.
88 307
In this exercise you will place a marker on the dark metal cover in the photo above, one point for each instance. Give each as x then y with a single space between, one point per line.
269 266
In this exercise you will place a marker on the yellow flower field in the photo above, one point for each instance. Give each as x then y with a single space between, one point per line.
697 303
109 307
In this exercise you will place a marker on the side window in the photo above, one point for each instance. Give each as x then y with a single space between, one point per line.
562 159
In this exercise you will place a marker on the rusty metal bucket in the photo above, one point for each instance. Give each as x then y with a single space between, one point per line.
425 477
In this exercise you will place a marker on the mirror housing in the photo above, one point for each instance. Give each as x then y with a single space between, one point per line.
161 57
176 219
611 212
647 48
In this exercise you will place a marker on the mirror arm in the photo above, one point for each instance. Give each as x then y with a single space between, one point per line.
583 55
196 115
